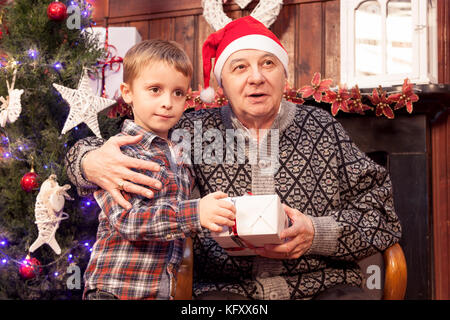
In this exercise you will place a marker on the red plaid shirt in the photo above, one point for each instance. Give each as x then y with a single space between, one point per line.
137 248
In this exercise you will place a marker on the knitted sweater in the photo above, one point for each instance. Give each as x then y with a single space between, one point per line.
320 172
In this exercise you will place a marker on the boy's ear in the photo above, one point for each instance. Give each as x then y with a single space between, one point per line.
125 89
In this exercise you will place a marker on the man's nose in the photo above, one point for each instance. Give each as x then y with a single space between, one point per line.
256 76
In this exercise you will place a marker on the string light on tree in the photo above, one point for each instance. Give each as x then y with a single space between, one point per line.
57 66
33 54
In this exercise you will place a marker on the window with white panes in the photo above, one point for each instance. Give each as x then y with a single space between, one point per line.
385 41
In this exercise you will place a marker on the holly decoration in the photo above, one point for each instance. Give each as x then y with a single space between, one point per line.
57 11
29 181
29 268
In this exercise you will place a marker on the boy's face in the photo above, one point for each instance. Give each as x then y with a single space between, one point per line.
157 95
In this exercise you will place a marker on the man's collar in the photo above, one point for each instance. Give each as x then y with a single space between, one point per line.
284 118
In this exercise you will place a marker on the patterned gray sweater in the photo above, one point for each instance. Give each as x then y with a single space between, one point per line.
321 172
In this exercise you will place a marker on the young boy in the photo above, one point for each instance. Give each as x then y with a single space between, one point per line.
138 251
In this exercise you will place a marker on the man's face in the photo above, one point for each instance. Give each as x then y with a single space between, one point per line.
158 96
253 81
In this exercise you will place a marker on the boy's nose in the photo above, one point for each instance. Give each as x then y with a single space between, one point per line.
167 102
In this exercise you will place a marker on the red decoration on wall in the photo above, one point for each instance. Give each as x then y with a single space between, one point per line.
407 97
382 102
339 100
317 88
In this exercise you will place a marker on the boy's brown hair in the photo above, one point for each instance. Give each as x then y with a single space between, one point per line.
155 50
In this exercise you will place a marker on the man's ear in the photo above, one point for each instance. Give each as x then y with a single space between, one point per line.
127 95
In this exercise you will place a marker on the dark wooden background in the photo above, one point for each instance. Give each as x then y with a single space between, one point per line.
312 44
309 30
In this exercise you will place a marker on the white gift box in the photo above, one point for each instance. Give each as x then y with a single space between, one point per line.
121 39
259 221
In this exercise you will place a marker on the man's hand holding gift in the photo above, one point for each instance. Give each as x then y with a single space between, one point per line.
299 237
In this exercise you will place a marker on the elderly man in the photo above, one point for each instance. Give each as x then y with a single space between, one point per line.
339 202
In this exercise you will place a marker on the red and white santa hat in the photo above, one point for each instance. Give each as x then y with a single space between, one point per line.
239 34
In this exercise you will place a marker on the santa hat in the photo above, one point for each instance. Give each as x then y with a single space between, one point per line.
239 34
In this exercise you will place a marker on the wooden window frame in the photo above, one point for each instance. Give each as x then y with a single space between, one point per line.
424 46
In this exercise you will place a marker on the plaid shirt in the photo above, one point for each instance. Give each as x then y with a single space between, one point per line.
138 251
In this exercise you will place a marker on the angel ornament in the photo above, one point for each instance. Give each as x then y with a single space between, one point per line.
49 212
10 107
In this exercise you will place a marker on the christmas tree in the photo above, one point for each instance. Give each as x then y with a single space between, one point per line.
41 44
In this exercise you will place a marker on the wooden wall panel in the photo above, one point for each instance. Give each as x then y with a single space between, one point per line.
204 30
309 30
332 42
142 27
162 29
284 28
444 40
441 166
119 8
441 207
184 34
309 43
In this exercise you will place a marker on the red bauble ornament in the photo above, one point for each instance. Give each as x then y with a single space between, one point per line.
29 181
29 268
57 11
5 2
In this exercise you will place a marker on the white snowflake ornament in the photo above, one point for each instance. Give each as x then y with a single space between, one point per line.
84 105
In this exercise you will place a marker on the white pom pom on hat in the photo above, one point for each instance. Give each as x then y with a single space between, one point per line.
239 34
207 95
